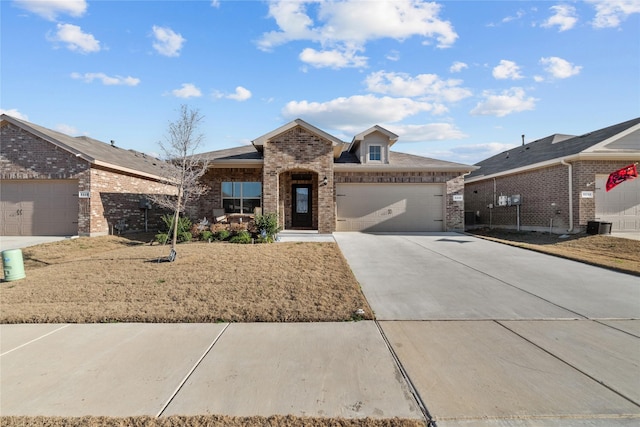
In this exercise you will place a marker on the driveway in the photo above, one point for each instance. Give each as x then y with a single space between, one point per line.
492 335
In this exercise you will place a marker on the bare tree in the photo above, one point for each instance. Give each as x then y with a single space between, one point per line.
179 149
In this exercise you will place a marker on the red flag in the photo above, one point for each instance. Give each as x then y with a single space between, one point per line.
620 176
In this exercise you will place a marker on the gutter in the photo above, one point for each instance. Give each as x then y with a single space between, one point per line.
562 161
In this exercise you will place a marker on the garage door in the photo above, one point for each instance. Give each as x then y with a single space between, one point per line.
390 207
620 206
39 207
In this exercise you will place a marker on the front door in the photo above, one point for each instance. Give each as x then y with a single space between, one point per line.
301 206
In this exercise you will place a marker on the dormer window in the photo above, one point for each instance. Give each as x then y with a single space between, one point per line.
375 153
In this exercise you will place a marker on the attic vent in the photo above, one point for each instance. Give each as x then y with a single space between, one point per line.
113 143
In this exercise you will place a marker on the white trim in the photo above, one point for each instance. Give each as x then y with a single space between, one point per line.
603 144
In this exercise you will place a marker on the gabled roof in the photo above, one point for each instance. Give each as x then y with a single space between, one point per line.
399 162
335 142
362 135
96 152
620 141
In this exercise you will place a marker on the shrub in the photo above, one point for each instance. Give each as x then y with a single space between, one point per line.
162 238
195 231
221 234
184 236
206 235
238 227
267 226
217 227
242 237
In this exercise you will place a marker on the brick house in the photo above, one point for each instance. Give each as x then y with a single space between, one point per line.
55 184
560 181
314 181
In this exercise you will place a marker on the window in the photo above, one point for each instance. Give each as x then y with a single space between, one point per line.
241 197
375 152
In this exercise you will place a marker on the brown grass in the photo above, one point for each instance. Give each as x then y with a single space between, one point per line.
205 421
114 279
607 251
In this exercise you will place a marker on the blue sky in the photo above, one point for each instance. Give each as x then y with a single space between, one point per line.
456 80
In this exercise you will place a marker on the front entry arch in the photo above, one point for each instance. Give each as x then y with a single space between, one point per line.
299 199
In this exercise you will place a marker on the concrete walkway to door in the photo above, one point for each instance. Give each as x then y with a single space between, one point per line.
492 335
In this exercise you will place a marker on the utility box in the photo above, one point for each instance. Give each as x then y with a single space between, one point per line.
598 227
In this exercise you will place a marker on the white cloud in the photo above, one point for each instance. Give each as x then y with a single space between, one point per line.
564 17
167 42
188 90
50 9
66 129
510 101
611 13
394 55
14 113
478 152
507 70
427 132
241 94
346 26
332 58
355 111
75 39
519 14
215 3
560 68
429 86
457 66
106 80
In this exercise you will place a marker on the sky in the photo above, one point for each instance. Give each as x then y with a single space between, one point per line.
456 80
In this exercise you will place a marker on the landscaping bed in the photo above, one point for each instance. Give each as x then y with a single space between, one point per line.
119 279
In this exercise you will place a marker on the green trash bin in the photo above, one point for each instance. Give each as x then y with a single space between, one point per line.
12 265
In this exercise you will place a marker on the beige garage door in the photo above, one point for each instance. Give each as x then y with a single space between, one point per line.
39 207
390 207
620 206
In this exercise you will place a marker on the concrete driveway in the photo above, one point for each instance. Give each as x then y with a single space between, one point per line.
492 335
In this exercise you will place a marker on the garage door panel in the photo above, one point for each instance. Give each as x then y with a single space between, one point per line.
389 207
619 206
39 207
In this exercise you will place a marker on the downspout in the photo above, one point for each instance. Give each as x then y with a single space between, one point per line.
570 194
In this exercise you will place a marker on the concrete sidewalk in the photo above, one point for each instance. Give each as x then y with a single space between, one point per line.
303 369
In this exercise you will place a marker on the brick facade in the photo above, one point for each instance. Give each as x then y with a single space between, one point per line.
115 195
213 179
545 197
299 150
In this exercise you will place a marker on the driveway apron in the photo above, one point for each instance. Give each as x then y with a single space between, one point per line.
491 335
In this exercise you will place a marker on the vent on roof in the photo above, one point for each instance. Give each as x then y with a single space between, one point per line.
113 143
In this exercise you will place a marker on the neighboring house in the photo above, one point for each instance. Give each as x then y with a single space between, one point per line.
560 181
55 184
314 181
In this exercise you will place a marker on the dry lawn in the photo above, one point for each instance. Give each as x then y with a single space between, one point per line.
204 421
602 250
116 279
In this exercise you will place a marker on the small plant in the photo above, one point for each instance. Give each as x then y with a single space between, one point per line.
267 226
206 235
221 234
184 227
242 237
162 238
